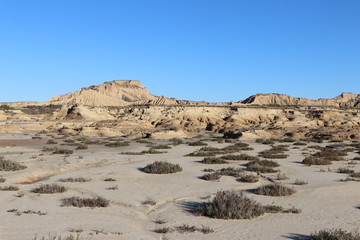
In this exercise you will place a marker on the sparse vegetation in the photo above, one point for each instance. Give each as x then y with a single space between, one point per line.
334 234
300 182
197 143
9 188
149 201
345 170
240 157
161 167
262 166
85 202
213 160
248 178
275 190
117 144
211 176
77 179
49 188
8 165
231 205
315 161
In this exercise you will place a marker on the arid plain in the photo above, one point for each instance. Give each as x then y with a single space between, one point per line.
82 165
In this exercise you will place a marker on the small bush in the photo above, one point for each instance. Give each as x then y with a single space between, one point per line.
185 228
256 167
231 205
51 141
151 151
109 180
345 170
81 147
164 146
8 165
49 188
85 202
197 143
249 178
355 175
300 182
240 157
213 160
2 179
282 176
9 188
78 179
275 190
334 234
117 144
230 171
163 230
176 141
300 144
63 151
201 154
315 161
149 201
161 167
211 176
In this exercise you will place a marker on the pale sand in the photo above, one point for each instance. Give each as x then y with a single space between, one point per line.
325 202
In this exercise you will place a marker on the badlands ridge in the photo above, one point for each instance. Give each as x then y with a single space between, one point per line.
126 108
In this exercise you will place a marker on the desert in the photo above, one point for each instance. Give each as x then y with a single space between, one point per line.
115 162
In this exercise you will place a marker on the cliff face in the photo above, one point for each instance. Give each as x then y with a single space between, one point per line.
343 100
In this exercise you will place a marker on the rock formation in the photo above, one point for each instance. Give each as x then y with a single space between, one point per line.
126 108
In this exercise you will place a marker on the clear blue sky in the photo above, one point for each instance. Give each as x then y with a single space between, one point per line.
223 50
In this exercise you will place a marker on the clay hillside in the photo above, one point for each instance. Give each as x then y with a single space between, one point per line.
126 108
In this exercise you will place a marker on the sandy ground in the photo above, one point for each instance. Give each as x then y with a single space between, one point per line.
325 201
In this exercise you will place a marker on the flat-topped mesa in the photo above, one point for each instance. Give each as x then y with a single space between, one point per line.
343 100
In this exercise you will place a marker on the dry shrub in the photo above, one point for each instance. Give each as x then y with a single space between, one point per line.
49 188
117 144
263 166
231 205
315 161
213 160
230 171
300 182
161 167
275 190
77 179
355 175
9 188
240 157
334 234
345 170
8 165
249 178
197 143
211 176
85 202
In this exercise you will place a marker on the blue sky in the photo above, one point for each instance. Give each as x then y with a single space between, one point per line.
189 49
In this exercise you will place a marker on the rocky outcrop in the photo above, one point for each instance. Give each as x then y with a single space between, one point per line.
343 100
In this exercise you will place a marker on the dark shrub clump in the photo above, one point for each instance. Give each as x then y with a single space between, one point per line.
49 188
231 205
7 165
161 167
334 234
274 190
85 202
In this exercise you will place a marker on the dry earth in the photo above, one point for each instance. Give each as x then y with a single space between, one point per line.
325 202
